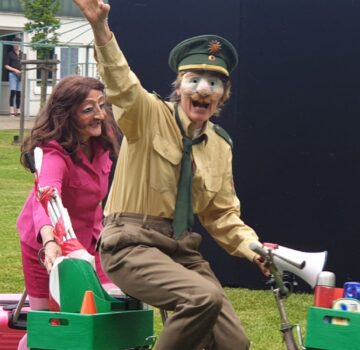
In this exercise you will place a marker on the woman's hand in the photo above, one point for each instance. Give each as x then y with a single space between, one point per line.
52 251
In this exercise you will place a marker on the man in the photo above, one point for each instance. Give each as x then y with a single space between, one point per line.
13 65
173 161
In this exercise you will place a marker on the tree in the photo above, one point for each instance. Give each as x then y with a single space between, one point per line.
43 24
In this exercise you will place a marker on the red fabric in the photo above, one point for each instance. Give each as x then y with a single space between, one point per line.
70 246
59 232
45 196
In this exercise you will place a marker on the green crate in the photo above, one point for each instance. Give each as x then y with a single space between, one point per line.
322 334
72 331
79 273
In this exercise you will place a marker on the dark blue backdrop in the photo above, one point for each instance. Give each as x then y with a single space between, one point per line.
294 115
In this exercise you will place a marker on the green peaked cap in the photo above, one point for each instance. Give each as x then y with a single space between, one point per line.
204 52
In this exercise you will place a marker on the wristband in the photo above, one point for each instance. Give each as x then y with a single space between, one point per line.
49 241
41 252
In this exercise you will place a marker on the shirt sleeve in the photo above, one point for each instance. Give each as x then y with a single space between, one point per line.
131 102
52 173
7 60
221 218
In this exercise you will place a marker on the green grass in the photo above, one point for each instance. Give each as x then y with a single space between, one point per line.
256 309
15 184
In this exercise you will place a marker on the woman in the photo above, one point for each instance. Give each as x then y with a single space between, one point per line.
13 65
73 132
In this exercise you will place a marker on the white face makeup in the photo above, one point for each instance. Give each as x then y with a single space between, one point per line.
200 94
91 113
202 83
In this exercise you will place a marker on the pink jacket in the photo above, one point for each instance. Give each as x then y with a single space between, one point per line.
81 187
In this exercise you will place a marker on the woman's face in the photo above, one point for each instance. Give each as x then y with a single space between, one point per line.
200 94
90 115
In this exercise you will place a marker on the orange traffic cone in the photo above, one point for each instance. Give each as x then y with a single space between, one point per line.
88 306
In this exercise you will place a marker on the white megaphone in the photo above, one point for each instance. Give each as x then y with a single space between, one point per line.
305 265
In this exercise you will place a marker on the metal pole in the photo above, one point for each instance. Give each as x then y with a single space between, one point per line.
87 61
22 99
286 328
54 71
164 315
19 306
1 64
43 86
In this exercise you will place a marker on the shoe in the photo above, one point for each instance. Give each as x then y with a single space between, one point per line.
12 114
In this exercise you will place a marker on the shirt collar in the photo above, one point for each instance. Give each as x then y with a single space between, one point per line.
189 126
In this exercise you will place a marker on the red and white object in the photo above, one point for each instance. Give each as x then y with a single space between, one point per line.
63 231
64 234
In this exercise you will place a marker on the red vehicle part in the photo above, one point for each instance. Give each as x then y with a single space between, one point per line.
11 331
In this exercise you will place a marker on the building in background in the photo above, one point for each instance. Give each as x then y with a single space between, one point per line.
74 51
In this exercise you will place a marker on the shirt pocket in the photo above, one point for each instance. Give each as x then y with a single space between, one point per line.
212 182
115 237
165 164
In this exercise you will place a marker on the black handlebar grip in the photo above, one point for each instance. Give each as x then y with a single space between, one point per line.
29 158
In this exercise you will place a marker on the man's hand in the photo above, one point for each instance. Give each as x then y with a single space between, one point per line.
263 266
96 12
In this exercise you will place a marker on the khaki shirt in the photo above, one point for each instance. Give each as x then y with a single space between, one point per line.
148 166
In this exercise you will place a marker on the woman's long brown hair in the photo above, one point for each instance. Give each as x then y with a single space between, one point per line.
58 119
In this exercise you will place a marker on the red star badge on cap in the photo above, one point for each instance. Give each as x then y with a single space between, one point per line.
214 47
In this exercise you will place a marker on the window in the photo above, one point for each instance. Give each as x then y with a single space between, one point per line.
11 6
38 70
69 61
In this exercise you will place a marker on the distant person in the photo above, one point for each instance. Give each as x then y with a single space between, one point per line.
13 65
77 70
76 134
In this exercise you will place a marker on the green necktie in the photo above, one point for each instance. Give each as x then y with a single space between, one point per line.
184 216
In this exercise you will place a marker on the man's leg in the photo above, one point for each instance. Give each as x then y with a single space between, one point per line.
227 333
150 275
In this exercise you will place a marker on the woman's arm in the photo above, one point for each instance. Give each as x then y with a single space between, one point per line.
11 69
51 249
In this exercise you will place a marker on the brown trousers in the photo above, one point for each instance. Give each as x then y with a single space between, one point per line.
140 256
